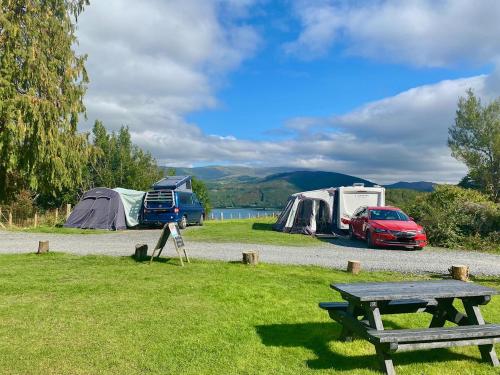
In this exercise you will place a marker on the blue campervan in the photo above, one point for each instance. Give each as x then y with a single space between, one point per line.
172 199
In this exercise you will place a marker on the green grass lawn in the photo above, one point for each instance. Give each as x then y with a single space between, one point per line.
255 231
64 314
59 230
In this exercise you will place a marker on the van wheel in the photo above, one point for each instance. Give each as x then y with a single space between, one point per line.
200 223
183 223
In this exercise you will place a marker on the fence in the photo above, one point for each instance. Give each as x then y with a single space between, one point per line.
15 218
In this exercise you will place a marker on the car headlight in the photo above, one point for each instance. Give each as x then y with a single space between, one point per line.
380 230
421 231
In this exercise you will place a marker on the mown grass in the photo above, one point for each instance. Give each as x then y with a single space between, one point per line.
255 231
63 314
58 230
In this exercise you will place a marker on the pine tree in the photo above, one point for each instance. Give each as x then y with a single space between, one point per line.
42 84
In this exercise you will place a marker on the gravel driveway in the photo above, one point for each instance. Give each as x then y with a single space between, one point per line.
334 254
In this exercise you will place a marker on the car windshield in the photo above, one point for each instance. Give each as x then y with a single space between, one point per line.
388 215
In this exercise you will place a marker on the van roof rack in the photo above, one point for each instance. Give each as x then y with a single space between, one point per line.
173 183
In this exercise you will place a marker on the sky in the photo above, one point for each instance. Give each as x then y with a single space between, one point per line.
367 88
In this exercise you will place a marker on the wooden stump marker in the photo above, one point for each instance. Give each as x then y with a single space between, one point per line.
43 247
354 266
141 251
251 257
459 272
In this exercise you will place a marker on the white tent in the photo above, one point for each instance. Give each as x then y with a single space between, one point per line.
132 204
308 212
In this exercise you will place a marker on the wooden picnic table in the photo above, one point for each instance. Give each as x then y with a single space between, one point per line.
362 314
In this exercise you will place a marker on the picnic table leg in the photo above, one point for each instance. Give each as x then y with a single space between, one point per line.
475 317
375 320
442 312
346 334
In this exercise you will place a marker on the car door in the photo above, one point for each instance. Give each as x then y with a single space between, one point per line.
358 227
197 208
354 220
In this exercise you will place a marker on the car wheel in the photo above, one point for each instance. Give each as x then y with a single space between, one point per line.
183 223
200 222
369 240
351 233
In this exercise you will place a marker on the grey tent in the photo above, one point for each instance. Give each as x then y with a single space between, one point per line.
308 212
99 208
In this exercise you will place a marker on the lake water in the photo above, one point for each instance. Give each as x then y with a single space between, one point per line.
241 213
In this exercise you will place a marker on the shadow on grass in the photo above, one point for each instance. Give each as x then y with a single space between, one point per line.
147 259
262 226
316 337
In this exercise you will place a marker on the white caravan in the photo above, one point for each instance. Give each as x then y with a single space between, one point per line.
349 198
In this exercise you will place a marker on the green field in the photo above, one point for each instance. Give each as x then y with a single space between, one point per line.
256 231
59 230
63 314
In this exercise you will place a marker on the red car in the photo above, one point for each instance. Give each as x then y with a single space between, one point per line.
386 226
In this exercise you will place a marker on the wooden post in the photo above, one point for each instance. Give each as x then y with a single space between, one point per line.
56 213
35 220
141 251
251 257
43 247
10 218
460 272
222 216
68 210
354 266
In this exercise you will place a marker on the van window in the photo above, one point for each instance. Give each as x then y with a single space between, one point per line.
184 198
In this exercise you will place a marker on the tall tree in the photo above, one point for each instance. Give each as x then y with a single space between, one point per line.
42 84
120 163
475 140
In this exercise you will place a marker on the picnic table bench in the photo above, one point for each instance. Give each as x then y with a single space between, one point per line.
361 315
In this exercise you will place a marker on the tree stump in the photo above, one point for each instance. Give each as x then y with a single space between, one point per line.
43 247
141 251
460 272
251 257
353 266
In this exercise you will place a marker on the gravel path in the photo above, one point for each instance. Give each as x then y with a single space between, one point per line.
334 254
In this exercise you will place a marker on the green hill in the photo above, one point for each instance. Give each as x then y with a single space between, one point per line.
240 186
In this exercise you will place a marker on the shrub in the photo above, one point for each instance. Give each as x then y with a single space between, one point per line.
22 207
457 217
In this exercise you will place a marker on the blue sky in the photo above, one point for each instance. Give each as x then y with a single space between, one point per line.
367 88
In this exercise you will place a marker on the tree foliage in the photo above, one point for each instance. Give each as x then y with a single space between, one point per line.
457 217
475 140
42 84
120 163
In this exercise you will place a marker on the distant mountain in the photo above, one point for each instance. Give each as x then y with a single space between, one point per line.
240 186
419 185
217 172
272 191
312 180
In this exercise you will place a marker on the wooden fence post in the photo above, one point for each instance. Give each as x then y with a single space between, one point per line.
459 272
222 216
57 214
35 220
10 218
68 210
354 266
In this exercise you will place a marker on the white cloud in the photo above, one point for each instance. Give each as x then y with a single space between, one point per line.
415 32
152 62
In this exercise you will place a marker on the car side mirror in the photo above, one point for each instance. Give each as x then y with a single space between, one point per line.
412 219
345 221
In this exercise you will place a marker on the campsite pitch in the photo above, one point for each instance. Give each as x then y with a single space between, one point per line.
65 314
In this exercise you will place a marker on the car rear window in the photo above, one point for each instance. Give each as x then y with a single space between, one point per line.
388 215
